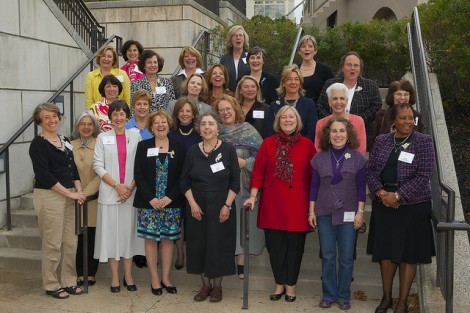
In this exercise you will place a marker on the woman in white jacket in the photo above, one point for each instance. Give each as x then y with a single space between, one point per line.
116 235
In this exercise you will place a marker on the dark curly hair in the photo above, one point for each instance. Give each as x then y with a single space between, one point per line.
325 134
147 54
128 44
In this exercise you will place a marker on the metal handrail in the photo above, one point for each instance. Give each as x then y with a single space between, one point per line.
300 31
5 147
203 35
83 21
443 195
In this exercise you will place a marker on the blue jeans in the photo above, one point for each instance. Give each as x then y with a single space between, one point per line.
336 286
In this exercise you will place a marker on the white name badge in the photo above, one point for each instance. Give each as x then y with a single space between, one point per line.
160 90
108 140
68 145
406 157
151 152
348 217
217 167
120 78
258 114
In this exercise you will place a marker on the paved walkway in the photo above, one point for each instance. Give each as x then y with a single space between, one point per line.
22 292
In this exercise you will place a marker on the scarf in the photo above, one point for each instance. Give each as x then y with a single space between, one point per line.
284 167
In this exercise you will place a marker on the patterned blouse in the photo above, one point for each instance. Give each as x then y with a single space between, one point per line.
100 109
132 70
162 94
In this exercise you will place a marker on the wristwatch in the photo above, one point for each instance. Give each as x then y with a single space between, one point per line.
397 196
228 206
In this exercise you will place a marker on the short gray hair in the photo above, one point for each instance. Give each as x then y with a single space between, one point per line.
75 134
337 87
306 38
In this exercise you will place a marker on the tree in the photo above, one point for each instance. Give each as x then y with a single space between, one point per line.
445 28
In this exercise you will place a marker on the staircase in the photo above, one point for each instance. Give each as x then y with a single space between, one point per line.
20 250
325 10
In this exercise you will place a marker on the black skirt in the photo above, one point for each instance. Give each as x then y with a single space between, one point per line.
401 235
210 245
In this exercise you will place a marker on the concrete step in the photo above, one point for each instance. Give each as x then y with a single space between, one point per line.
21 260
24 219
26 202
22 238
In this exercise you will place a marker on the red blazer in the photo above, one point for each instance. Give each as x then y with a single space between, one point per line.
283 205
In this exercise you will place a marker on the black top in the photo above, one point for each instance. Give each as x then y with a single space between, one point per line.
145 173
186 135
52 165
313 84
224 174
268 84
243 68
257 117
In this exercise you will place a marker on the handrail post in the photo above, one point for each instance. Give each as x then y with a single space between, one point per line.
71 107
7 181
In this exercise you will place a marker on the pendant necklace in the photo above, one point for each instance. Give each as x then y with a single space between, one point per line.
337 160
293 104
399 144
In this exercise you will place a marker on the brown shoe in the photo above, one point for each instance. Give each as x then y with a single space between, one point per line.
203 294
216 294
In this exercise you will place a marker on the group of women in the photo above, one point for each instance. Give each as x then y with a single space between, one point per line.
235 137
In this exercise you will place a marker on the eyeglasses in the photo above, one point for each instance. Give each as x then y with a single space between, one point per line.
402 94
224 110
350 65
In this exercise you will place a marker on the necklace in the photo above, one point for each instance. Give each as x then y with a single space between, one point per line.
204 150
293 104
161 147
399 144
337 160
304 68
186 134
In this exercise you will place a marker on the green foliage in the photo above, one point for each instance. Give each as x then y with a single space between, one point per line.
382 44
445 28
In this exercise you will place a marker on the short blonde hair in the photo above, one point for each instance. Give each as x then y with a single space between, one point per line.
192 51
101 53
141 94
239 116
238 94
231 32
277 119
161 113
288 69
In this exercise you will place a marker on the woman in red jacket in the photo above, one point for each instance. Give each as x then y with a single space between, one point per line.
282 174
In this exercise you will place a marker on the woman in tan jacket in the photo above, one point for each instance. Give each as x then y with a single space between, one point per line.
85 132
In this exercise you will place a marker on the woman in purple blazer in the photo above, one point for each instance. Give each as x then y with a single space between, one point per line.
398 174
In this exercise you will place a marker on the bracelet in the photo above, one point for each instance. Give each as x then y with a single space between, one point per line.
115 184
79 189
360 211
228 206
397 196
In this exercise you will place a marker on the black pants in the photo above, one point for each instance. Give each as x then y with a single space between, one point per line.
92 263
285 254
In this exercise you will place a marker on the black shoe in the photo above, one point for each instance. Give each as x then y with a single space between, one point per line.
290 298
169 289
156 291
384 306
129 287
115 289
277 296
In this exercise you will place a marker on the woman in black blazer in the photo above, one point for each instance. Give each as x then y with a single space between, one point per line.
158 165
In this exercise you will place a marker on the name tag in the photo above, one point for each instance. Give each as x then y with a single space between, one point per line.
120 78
68 145
406 157
108 140
151 152
349 217
217 167
258 114
160 90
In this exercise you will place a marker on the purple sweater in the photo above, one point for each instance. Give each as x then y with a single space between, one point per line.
336 191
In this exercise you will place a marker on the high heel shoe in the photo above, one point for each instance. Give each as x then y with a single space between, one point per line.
169 289
129 287
290 298
384 305
156 291
277 296
179 266
401 308
115 289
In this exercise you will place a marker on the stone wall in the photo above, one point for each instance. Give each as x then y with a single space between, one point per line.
37 56
165 26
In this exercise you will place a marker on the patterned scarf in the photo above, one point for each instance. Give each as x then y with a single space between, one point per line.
284 167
